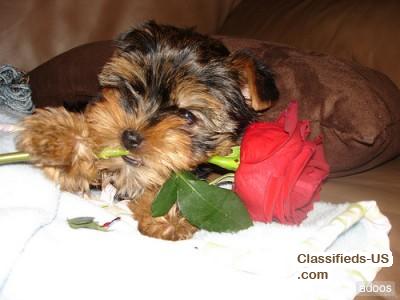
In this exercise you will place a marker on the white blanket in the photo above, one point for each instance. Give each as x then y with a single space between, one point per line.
41 257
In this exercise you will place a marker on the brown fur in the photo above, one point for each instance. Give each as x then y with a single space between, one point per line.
248 73
66 158
172 226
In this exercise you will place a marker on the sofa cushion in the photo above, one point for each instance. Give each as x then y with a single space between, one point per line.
33 31
365 32
355 109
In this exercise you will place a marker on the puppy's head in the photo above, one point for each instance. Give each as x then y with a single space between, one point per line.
173 98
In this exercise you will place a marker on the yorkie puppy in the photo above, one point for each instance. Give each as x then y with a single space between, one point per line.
173 98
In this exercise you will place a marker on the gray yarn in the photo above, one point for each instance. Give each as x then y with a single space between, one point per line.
15 93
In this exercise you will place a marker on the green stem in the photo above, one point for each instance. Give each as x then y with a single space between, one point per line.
17 157
112 152
14 157
229 162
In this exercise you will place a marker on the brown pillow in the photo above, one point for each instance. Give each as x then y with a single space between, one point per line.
355 109
70 79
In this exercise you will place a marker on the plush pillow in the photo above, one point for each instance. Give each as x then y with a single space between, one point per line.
355 109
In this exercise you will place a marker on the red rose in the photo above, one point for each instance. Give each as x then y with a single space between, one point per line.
280 172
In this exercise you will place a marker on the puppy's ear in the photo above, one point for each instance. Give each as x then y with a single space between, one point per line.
258 84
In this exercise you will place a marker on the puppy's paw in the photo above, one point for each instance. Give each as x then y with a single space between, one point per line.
171 227
58 141
167 228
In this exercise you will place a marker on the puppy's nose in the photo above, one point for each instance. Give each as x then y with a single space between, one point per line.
131 139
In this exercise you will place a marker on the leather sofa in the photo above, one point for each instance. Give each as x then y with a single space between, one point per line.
366 32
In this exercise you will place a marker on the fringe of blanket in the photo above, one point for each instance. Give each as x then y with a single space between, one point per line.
15 92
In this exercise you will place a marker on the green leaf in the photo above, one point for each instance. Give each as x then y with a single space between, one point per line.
85 222
165 198
81 220
209 207
229 162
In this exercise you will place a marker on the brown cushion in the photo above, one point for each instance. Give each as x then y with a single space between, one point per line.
356 109
70 79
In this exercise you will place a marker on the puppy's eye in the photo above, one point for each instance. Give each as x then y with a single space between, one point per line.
187 115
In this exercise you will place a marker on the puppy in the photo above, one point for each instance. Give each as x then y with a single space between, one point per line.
173 98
